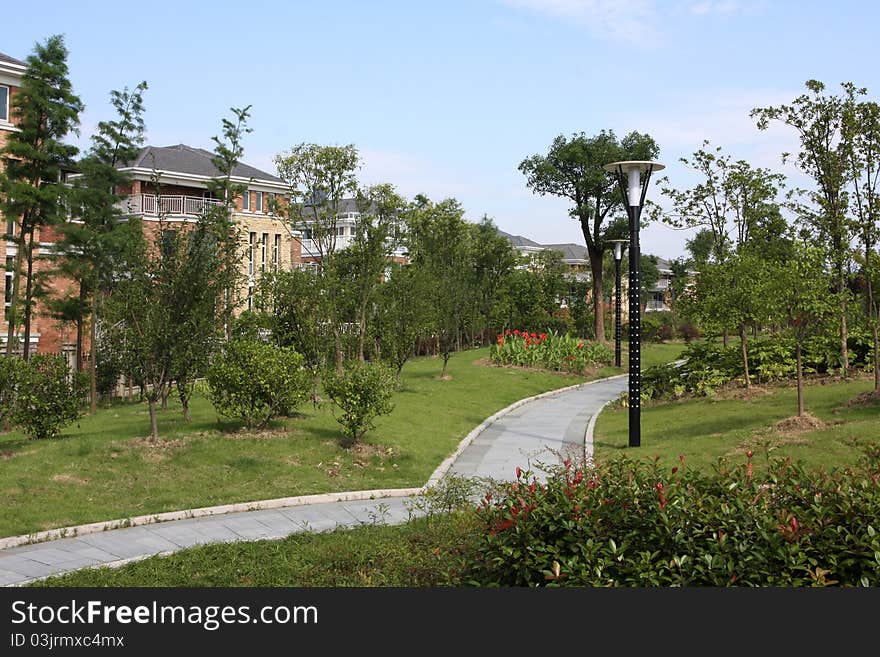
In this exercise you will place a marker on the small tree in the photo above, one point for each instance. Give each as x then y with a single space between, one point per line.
10 375
799 296
255 381
362 392
47 398
403 315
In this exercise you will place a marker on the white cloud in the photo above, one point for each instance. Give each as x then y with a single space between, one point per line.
629 21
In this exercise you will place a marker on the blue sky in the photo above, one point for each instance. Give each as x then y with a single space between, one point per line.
446 98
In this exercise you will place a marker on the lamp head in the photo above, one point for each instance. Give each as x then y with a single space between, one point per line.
618 248
633 170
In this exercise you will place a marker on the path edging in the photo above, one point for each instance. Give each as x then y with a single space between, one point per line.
283 502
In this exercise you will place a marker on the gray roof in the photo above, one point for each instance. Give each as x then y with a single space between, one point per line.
570 251
194 161
518 240
11 60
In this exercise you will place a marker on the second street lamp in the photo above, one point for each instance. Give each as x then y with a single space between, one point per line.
633 178
618 256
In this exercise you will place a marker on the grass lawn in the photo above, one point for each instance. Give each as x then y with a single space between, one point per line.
705 430
104 468
421 552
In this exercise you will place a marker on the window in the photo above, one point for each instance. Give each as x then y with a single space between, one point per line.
259 198
7 295
276 252
264 243
340 231
169 242
253 239
10 228
246 201
4 103
271 202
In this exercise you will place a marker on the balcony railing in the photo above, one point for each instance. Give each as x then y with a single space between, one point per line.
154 205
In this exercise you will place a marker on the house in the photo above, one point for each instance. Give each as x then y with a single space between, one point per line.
578 260
11 71
170 184
347 217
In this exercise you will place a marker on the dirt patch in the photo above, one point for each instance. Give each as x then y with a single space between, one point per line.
865 399
69 479
744 394
799 423
6 454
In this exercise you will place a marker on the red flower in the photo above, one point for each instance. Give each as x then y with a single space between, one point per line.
571 358
516 331
507 524
518 472
580 345
534 335
674 469
543 336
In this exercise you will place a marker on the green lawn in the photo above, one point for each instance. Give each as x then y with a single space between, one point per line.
421 552
706 429
104 468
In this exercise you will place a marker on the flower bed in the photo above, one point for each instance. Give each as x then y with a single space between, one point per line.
560 353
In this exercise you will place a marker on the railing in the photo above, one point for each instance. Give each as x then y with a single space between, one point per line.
152 204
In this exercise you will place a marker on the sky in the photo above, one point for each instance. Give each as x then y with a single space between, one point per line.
447 98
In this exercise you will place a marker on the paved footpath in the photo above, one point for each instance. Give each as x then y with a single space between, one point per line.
541 431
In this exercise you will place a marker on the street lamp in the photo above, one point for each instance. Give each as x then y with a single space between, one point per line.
618 255
633 178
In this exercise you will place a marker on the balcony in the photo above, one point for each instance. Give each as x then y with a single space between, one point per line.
173 206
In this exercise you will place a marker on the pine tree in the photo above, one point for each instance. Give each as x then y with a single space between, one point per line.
32 189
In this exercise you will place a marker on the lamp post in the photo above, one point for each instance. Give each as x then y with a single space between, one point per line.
618 255
633 178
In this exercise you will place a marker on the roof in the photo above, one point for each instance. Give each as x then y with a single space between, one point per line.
519 240
6 59
570 251
194 161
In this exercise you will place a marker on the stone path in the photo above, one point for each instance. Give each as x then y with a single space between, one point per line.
543 430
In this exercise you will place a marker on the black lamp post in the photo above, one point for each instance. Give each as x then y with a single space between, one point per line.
618 256
633 178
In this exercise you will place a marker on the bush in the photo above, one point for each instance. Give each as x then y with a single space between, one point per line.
47 396
362 392
628 523
255 381
688 332
9 380
657 326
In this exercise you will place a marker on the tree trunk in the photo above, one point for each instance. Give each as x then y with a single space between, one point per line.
399 371
745 354
725 338
844 351
80 330
362 329
876 358
12 312
93 360
29 291
445 362
800 380
598 294
154 423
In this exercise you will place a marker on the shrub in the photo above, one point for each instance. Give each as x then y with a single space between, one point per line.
9 380
255 381
657 326
626 523
47 397
688 331
362 392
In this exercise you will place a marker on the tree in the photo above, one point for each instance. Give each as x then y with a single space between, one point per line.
572 169
862 134
729 195
292 311
798 296
440 248
228 150
32 186
404 306
376 236
89 249
319 178
492 259
819 120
